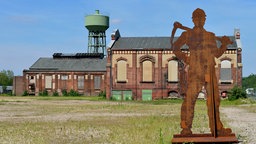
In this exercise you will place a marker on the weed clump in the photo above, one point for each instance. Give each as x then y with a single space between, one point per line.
236 93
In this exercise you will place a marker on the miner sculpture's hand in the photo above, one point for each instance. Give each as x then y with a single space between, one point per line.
177 25
225 40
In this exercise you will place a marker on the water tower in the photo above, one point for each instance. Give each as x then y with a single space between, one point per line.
97 24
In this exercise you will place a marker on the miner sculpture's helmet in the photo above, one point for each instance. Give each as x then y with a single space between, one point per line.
198 13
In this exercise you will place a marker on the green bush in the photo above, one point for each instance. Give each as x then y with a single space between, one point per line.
25 93
64 92
55 93
102 94
43 93
70 93
236 93
73 93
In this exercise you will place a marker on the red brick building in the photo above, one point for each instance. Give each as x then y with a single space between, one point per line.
82 72
139 68
145 68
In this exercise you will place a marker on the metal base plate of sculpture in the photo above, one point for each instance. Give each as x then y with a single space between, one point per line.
201 73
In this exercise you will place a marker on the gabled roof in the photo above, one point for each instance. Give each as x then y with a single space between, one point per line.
142 43
130 43
81 64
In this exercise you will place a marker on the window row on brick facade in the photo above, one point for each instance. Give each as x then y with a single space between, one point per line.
50 80
147 67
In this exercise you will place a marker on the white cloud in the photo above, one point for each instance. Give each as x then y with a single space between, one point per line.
115 21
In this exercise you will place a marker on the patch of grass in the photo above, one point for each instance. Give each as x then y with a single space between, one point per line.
111 122
162 101
127 130
7 95
227 102
90 98
200 121
250 108
89 120
5 101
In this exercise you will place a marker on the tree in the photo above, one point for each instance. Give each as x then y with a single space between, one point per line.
236 93
6 77
249 82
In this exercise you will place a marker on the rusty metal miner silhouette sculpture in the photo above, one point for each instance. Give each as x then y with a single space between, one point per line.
201 73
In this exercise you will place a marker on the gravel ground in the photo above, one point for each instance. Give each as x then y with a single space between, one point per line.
243 123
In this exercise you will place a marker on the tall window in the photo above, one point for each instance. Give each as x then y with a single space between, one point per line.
97 82
121 71
147 68
147 63
80 80
48 82
64 79
225 71
173 71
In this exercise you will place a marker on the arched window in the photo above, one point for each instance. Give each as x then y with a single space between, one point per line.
172 71
224 94
147 71
173 94
225 71
147 63
121 71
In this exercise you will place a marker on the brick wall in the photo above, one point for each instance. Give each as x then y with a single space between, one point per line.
160 87
18 85
70 83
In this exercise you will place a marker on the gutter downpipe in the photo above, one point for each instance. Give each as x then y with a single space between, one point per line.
136 74
163 79
110 77
236 65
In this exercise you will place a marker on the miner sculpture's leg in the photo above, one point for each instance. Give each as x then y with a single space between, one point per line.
187 108
213 104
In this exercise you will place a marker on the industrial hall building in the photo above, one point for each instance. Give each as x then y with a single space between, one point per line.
82 72
129 68
145 68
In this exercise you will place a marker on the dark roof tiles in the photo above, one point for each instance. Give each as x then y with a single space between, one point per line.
83 64
130 43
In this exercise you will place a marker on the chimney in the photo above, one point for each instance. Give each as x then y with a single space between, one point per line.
115 34
237 33
237 38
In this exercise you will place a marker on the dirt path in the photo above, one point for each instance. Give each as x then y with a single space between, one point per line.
243 123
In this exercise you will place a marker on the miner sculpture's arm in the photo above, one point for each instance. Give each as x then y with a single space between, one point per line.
224 42
176 46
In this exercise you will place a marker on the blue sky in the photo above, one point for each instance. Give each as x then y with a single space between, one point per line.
38 28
